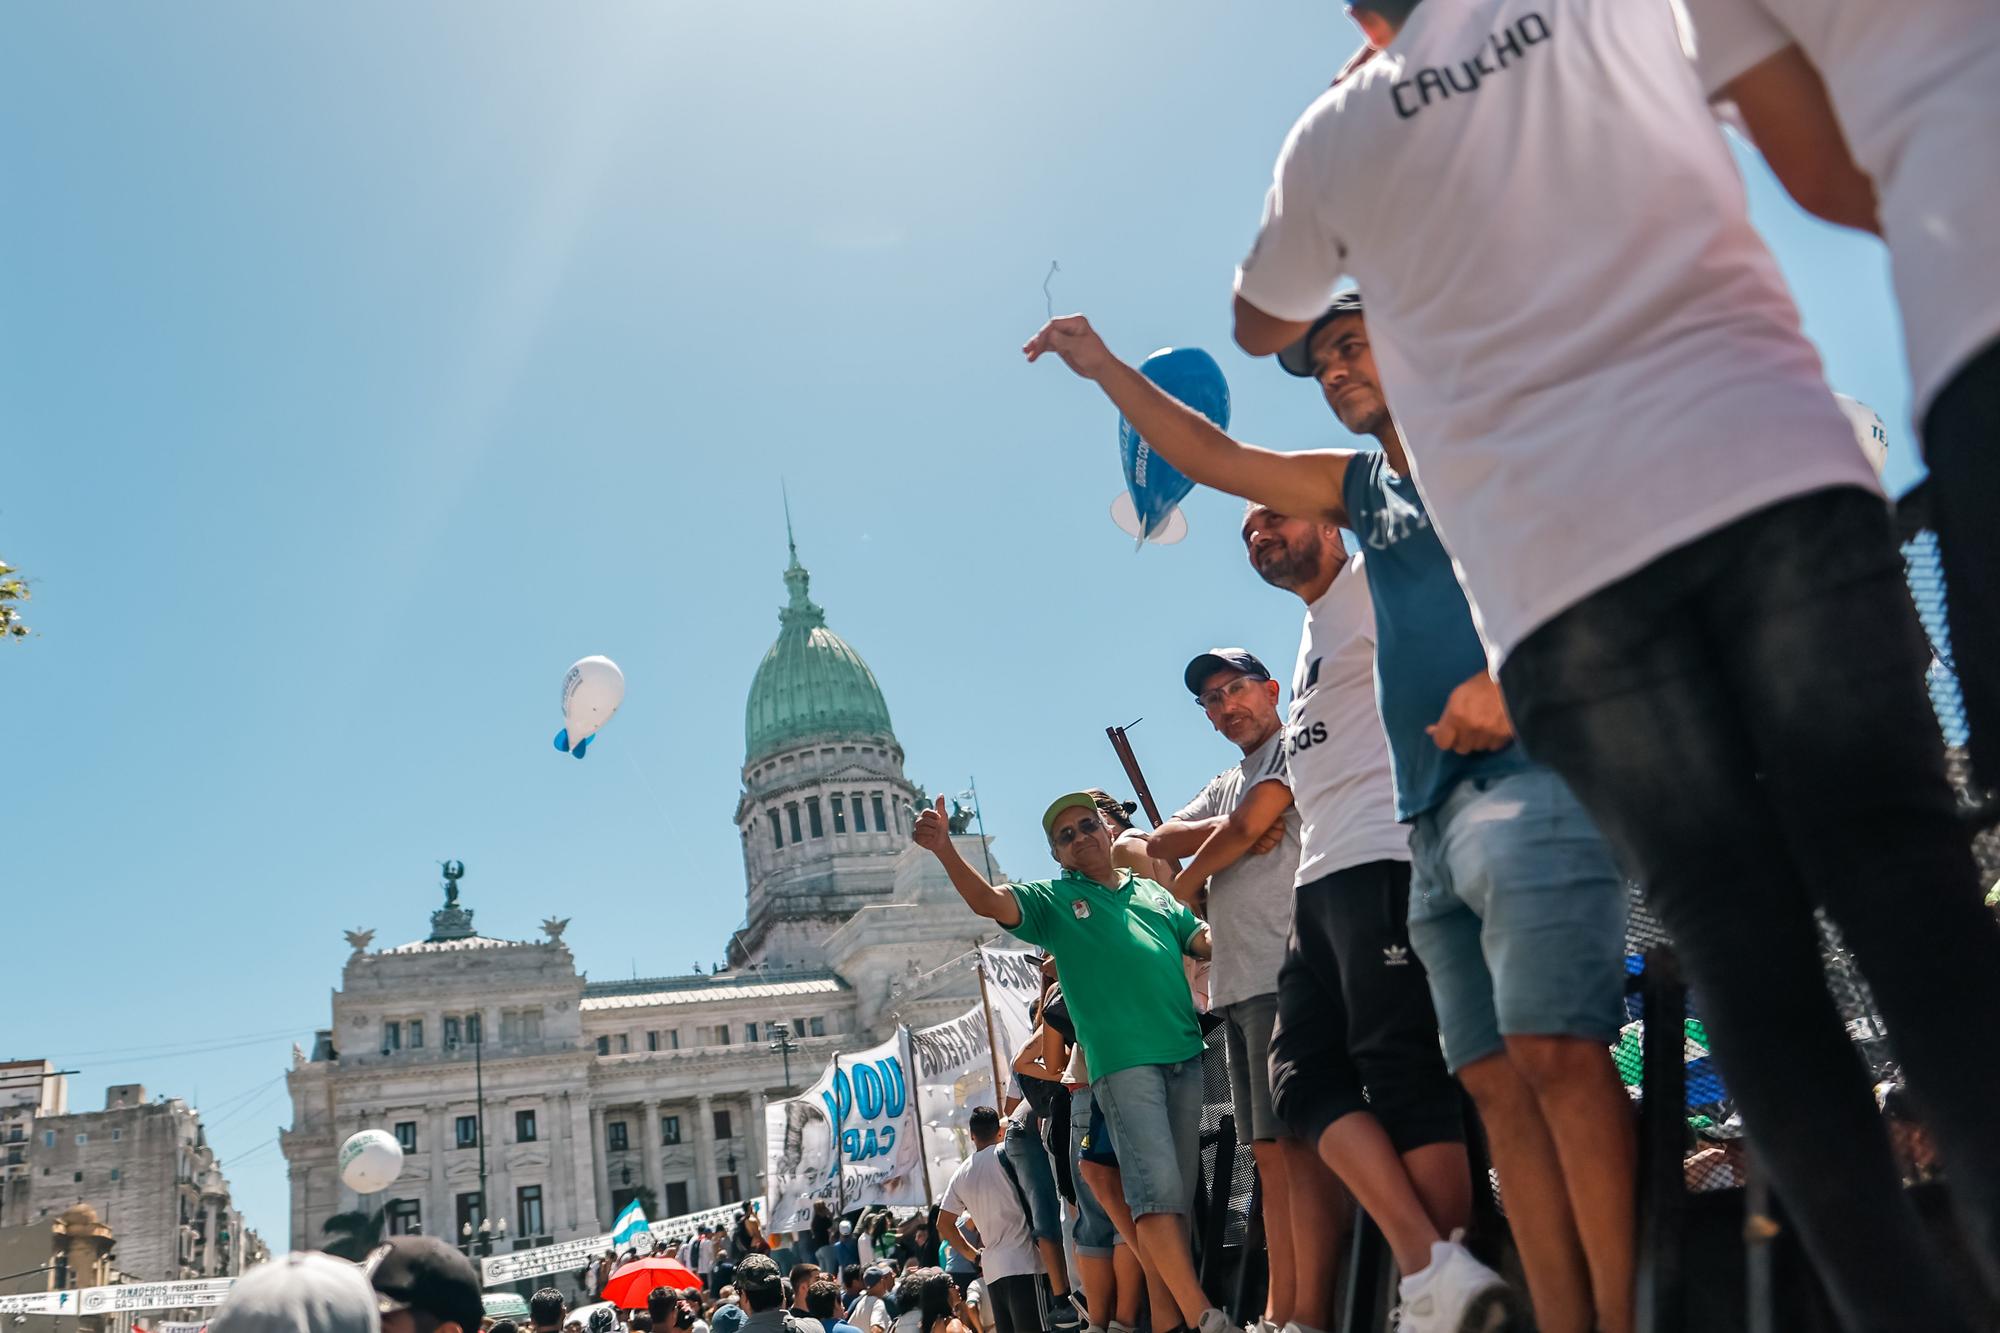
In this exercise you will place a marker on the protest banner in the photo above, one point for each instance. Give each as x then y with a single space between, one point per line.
570 1255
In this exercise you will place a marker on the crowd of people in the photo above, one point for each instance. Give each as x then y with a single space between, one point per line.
1627 601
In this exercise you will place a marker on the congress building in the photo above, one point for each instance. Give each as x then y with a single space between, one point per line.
538 1103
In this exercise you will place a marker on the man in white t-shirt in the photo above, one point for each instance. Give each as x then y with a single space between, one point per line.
1679 561
1882 117
1005 1251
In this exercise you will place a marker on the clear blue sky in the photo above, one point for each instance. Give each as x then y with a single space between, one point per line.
361 367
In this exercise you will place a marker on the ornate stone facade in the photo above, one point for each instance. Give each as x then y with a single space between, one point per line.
588 1094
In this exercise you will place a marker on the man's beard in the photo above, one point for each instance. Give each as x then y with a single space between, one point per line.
1293 569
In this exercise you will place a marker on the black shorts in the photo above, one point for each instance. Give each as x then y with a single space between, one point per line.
1355 1029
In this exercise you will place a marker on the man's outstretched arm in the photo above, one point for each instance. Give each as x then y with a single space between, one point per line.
994 902
1302 484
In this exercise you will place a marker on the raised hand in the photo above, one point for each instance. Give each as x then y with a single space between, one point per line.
1071 338
933 829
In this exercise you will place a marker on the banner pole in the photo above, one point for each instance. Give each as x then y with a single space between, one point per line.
839 1158
917 1105
992 1042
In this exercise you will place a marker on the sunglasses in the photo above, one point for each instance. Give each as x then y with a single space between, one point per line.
1087 825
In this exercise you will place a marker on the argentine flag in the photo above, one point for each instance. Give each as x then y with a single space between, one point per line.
629 1225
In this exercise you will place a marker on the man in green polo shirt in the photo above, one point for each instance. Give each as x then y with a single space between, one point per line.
1118 942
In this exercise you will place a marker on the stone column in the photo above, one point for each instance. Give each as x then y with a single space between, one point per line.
704 1152
600 1168
649 1145
576 1131
558 1210
439 1220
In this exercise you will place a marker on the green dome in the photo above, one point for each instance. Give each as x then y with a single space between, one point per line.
810 684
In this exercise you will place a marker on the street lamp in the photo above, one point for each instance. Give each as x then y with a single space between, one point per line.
487 1232
781 1042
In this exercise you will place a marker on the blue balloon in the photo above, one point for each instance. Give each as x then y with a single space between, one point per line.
1192 376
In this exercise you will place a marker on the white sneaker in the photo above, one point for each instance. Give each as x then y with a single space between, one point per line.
1457 1294
1213 1321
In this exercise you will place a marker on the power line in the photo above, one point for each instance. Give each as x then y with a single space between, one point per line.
108 1051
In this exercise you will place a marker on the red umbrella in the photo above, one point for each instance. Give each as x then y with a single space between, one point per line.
628 1286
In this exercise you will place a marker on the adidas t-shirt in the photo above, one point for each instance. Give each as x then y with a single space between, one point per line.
1250 903
1592 356
1338 756
1916 87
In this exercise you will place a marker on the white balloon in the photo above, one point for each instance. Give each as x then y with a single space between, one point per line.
370 1161
1869 430
591 693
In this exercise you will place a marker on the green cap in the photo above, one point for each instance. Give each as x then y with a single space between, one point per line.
1076 800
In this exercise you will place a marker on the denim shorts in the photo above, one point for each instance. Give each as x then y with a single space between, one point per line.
1093 1230
1517 911
1154 1113
1037 1176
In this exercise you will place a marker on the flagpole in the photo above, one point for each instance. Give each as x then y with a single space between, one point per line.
992 1043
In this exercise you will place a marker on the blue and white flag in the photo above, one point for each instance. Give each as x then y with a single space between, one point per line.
630 1224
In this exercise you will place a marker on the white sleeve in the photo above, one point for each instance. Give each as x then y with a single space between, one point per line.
1292 270
953 1201
1730 38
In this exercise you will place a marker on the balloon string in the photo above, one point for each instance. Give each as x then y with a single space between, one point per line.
1048 301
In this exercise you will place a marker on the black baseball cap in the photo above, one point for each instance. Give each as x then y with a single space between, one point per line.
1297 359
423 1273
1221 659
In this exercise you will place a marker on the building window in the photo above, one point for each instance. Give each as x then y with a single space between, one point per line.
405 1217
860 820
722 1034
473 1031
82 1138
750 1033
624 1043
406 1135
674 1039
792 818
469 1212
528 1208
881 821
722 1131
677 1198
839 815
524 1132
604 1045
15 1154
819 1027
114 1175
48 1138
116 1134
812 817
728 1189
392 1037
468 1131
670 1134
652 1041
450 1032
777 838
77 1178
616 1136
416 1034
519 1025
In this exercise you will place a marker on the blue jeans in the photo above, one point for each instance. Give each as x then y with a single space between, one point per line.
1092 1231
1517 912
1154 1113
1038 1179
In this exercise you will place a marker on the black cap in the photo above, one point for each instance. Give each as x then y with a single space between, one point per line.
1297 359
1221 659
423 1273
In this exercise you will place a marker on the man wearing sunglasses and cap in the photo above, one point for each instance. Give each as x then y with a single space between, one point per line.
1118 942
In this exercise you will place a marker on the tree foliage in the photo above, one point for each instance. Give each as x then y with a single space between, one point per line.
13 592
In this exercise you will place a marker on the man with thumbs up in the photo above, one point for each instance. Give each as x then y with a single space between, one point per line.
1118 941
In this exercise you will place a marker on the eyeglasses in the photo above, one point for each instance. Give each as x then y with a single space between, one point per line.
1212 699
1082 827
